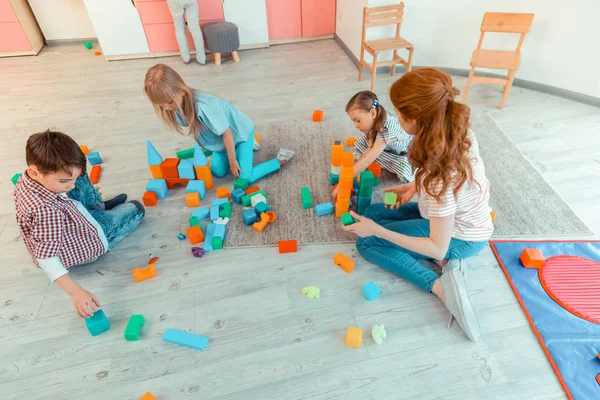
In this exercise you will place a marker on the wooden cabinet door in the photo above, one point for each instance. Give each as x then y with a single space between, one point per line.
284 18
318 17
7 14
210 10
13 38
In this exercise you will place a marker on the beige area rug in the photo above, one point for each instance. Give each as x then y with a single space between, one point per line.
525 204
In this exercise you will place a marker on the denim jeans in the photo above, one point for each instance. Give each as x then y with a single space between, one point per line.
117 223
244 152
190 7
408 221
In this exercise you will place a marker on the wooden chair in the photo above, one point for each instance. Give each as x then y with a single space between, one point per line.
499 59
382 16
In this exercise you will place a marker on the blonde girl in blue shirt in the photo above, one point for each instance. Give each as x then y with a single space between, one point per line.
213 122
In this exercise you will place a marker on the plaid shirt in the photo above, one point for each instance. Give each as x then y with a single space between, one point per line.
52 226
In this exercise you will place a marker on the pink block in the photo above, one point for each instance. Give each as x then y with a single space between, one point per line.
284 19
7 14
318 17
13 38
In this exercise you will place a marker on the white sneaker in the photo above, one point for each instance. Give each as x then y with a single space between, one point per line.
461 265
457 302
285 155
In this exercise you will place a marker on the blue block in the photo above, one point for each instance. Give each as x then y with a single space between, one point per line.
154 157
196 186
201 213
97 323
218 202
237 195
94 158
214 213
324 209
261 207
186 169
220 231
249 217
158 186
210 231
333 179
371 291
185 339
200 159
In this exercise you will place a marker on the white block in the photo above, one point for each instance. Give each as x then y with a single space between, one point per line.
336 170
257 199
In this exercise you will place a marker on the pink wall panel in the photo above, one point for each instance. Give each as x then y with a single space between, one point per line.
13 38
318 17
155 12
7 14
210 10
161 37
284 18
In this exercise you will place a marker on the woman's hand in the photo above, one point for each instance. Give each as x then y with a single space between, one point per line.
364 227
234 166
405 193
85 303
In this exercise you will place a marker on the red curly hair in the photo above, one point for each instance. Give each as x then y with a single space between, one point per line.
440 148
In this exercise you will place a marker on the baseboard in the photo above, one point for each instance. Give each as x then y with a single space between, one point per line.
538 87
71 41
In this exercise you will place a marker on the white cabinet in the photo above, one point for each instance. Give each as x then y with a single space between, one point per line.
250 16
62 19
118 28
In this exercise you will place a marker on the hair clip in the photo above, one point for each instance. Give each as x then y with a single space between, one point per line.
375 103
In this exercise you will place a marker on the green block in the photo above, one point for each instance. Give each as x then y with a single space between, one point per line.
390 199
363 203
88 45
240 183
367 179
185 154
225 211
15 178
348 219
246 202
365 191
194 221
305 195
261 207
132 332
217 243
376 182
207 152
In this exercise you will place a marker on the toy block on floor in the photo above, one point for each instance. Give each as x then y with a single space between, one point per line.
324 209
143 274
84 149
237 195
252 189
378 333
247 199
185 169
15 178
305 197
172 182
197 252
194 221
354 337
196 186
225 211
158 186
134 326
272 216
532 258
317 116
261 207
201 213
347 160
97 323
351 141
186 154
217 243
185 339
200 159
258 198
154 157
204 174
493 216
94 158
214 212
344 261
223 193
260 225
155 171
390 199
375 169
337 150
219 202
240 183
150 199
210 230
195 234
287 246
220 231
334 179
249 217
169 168
341 207
148 396
371 291
347 219
344 194
192 199
95 174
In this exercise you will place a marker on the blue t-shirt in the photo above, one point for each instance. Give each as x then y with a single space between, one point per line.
216 116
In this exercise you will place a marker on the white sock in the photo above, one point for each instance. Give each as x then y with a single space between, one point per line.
285 154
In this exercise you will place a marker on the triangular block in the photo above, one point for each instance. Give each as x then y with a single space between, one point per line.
200 159
154 157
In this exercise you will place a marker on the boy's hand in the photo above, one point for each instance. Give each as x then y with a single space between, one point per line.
405 193
234 166
85 303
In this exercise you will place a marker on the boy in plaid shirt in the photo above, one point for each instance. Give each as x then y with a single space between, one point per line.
63 220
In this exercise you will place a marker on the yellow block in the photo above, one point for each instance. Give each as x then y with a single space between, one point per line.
156 171
204 174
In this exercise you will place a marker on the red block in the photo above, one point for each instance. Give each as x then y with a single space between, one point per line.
287 246
169 168
317 116
252 189
532 258
375 169
95 174
150 199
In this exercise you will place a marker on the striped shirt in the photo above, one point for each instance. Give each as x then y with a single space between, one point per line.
393 158
472 221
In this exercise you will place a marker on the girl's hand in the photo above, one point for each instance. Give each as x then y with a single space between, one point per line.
234 166
405 193
334 193
364 227
85 303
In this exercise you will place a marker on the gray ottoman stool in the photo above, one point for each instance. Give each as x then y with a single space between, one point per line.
222 37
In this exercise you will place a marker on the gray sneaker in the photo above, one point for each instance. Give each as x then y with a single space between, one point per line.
461 265
457 302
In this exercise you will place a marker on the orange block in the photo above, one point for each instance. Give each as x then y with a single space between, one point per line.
143 274
95 174
351 141
346 183
257 138
375 169
598 379
272 216
195 234
341 207
192 199
260 225
347 160
171 182
347 172
344 194
85 149
203 173
344 261
493 215
532 258
150 199
97 53
148 396
287 246
317 116
156 171
169 168
354 337
252 189
223 192
337 150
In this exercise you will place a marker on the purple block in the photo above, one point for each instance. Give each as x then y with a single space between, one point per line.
197 252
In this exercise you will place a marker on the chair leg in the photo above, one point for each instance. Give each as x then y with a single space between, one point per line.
394 56
374 73
360 65
235 56
466 94
218 58
511 78
411 51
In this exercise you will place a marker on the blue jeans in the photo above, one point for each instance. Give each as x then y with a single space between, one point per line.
408 221
244 153
117 223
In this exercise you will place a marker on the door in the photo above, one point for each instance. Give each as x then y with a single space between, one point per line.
318 17
284 18
250 16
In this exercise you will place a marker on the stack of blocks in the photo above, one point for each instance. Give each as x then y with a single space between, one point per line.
345 185
337 150
365 191
95 160
376 170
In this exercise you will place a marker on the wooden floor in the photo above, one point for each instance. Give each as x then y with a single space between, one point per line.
266 339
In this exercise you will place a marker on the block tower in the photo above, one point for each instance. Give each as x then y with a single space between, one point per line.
365 191
337 149
202 167
345 185
154 161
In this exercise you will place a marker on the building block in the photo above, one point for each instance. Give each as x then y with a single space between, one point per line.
158 186
341 207
240 183
197 252
493 216
210 230
185 169
169 168
84 149
186 154
305 197
371 291
237 195
15 178
195 234
261 207
180 236
196 186
206 152
95 174
344 194
378 332
148 396
346 183
317 116
258 198
333 179
375 169
214 213
287 246
336 170
324 209
143 274
97 323
200 159
223 193
217 242
201 213
260 225
252 189
172 182
150 199
390 199
347 160
249 217
351 141
367 178
363 203
134 326
337 150
155 171
344 261
247 199
220 231
532 258
94 158
192 199
154 157
194 221
272 216
347 219
219 202
225 211
312 292
185 339
354 337
376 182
204 174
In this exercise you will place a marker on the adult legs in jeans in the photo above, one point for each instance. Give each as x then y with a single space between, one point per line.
193 23
119 222
245 156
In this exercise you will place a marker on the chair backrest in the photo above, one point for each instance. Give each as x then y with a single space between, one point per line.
506 23
382 16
